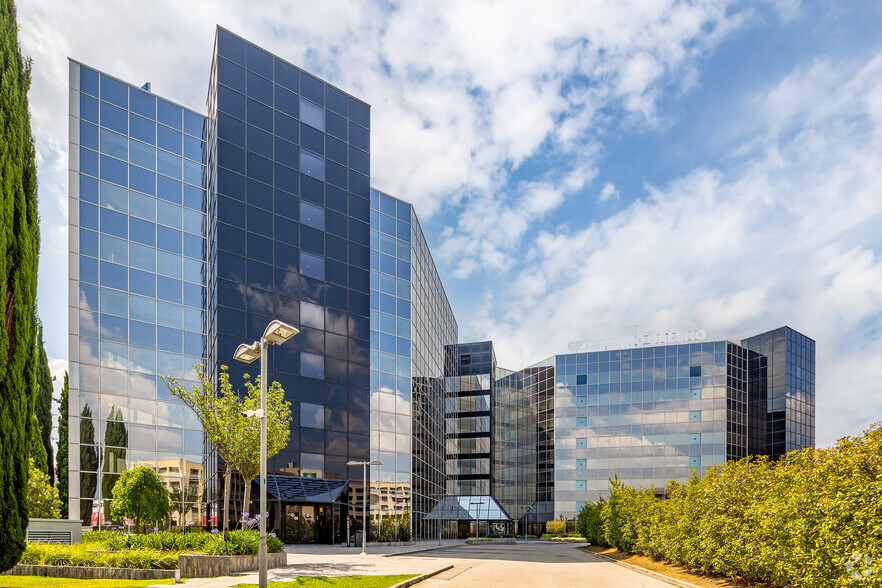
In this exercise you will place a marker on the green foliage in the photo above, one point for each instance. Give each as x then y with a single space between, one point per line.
478 540
236 437
19 249
589 523
43 500
43 404
37 452
812 519
140 494
84 554
554 527
240 542
61 467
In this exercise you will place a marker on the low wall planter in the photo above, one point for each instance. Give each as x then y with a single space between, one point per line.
88 573
210 566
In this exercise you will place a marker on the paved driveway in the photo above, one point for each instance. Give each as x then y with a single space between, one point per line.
534 564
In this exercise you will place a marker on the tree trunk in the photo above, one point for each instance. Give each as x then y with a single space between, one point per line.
228 478
246 504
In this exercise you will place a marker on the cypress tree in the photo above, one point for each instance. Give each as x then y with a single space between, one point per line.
37 451
61 458
88 465
43 404
19 248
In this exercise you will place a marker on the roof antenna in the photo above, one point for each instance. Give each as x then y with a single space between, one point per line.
146 86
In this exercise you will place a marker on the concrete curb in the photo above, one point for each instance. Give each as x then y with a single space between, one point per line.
421 577
650 573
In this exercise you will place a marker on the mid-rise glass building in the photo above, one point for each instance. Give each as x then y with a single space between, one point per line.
190 232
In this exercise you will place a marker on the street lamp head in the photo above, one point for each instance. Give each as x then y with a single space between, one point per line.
278 332
354 463
247 353
376 462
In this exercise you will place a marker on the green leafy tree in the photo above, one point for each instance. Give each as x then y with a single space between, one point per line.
220 414
140 495
245 451
43 502
61 480
43 403
88 465
19 251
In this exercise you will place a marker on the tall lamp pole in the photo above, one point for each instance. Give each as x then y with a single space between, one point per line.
364 527
276 333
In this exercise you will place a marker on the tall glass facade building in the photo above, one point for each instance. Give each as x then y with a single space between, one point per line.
138 294
190 232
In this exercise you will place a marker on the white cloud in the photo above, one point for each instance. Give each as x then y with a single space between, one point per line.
608 192
789 237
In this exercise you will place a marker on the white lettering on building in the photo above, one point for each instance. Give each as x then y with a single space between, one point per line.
667 338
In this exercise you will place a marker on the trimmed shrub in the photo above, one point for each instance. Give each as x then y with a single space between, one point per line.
240 543
554 528
810 519
83 555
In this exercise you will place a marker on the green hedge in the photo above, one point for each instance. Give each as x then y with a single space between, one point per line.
240 543
85 555
812 518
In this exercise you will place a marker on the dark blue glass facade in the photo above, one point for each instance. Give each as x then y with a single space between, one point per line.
292 242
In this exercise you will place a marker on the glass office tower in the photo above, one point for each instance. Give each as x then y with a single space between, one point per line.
411 324
292 242
650 415
190 233
137 297
785 369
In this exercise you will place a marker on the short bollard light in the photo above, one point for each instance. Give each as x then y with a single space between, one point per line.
177 576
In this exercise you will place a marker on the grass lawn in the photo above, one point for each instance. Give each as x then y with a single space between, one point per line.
337 582
41 581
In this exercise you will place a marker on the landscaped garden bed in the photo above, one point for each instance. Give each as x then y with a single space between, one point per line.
114 554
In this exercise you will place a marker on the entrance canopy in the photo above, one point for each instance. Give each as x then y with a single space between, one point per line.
468 508
297 489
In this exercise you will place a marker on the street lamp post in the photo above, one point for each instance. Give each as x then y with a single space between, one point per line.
276 333
364 527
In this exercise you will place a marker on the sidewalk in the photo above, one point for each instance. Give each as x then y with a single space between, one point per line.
336 560
384 550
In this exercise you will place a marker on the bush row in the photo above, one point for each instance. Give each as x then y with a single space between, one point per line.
812 518
84 555
240 543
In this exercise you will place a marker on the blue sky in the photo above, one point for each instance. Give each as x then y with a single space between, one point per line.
579 168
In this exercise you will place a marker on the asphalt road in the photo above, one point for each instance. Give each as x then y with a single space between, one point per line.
534 564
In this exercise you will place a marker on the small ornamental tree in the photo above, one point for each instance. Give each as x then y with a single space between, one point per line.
245 452
232 433
43 502
140 494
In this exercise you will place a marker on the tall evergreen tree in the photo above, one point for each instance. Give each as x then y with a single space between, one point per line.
19 249
88 465
43 403
37 452
61 458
